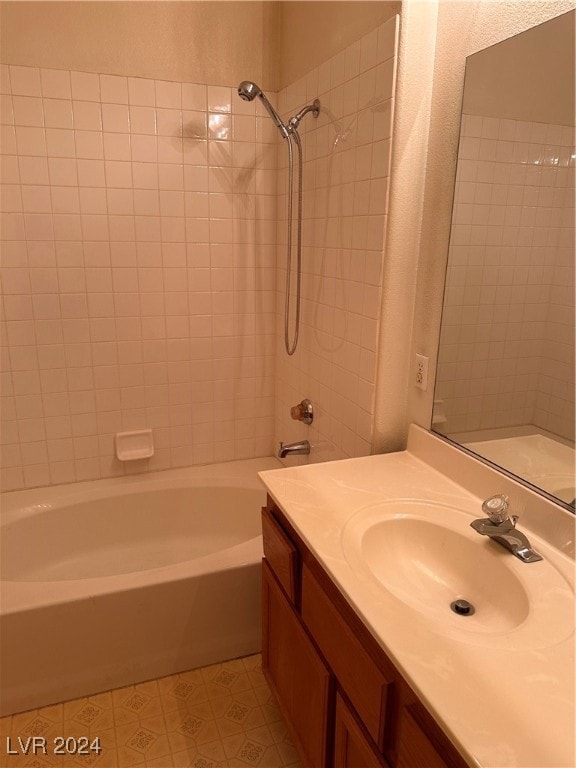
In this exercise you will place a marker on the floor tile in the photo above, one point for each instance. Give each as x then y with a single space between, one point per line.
220 716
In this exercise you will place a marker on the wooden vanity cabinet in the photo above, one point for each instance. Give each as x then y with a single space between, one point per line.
346 704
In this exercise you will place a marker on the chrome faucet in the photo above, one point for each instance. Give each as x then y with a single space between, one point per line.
501 527
294 449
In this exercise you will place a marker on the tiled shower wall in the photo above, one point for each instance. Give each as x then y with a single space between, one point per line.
138 231
507 346
345 201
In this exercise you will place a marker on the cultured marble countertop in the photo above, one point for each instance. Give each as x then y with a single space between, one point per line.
505 698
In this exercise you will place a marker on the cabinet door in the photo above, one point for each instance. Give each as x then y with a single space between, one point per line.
420 745
351 747
295 672
363 682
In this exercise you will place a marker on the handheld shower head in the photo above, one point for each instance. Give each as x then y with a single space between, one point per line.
248 91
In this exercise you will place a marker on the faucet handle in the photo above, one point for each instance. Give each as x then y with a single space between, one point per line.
496 507
304 411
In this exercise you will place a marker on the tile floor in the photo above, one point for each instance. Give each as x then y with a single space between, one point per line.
221 716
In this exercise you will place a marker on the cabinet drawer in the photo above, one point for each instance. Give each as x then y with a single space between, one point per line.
361 679
281 554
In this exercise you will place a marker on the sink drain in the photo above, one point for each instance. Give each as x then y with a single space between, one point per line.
462 607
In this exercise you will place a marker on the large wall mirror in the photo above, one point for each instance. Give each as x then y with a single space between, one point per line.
505 378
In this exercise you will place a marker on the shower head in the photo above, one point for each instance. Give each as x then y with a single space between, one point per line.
248 91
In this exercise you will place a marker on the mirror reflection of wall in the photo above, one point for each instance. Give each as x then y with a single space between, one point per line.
505 380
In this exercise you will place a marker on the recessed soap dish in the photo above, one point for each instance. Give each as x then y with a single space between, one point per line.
131 446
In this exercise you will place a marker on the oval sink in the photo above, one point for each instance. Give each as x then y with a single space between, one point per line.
428 566
426 556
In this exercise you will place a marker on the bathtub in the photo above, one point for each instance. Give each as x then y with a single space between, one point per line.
543 459
112 582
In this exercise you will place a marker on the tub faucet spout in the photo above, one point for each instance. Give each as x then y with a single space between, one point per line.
294 449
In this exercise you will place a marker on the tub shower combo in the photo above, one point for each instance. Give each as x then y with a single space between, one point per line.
110 582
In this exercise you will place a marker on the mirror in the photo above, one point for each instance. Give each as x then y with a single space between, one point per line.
505 377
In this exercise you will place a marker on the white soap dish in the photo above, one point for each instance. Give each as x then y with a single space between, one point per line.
131 446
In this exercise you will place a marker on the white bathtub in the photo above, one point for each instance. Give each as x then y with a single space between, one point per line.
112 582
540 457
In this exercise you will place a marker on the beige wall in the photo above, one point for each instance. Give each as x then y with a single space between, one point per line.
411 127
441 47
312 32
531 77
273 43
160 40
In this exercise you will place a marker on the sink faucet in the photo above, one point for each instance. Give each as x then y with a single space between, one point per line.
294 449
501 527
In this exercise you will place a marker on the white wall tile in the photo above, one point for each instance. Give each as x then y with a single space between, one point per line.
88 145
143 120
334 364
30 141
168 94
510 253
114 89
55 84
25 81
141 92
120 251
27 110
58 113
60 143
85 86
61 171
194 97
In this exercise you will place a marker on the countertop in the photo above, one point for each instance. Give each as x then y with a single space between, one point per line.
505 698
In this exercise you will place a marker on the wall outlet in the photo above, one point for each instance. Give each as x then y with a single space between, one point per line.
421 378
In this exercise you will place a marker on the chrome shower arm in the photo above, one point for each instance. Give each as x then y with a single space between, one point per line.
294 122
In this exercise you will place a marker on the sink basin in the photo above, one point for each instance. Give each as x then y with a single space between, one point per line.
425 556
428 566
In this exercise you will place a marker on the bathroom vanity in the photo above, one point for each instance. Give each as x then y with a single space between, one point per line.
337 688
369 665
